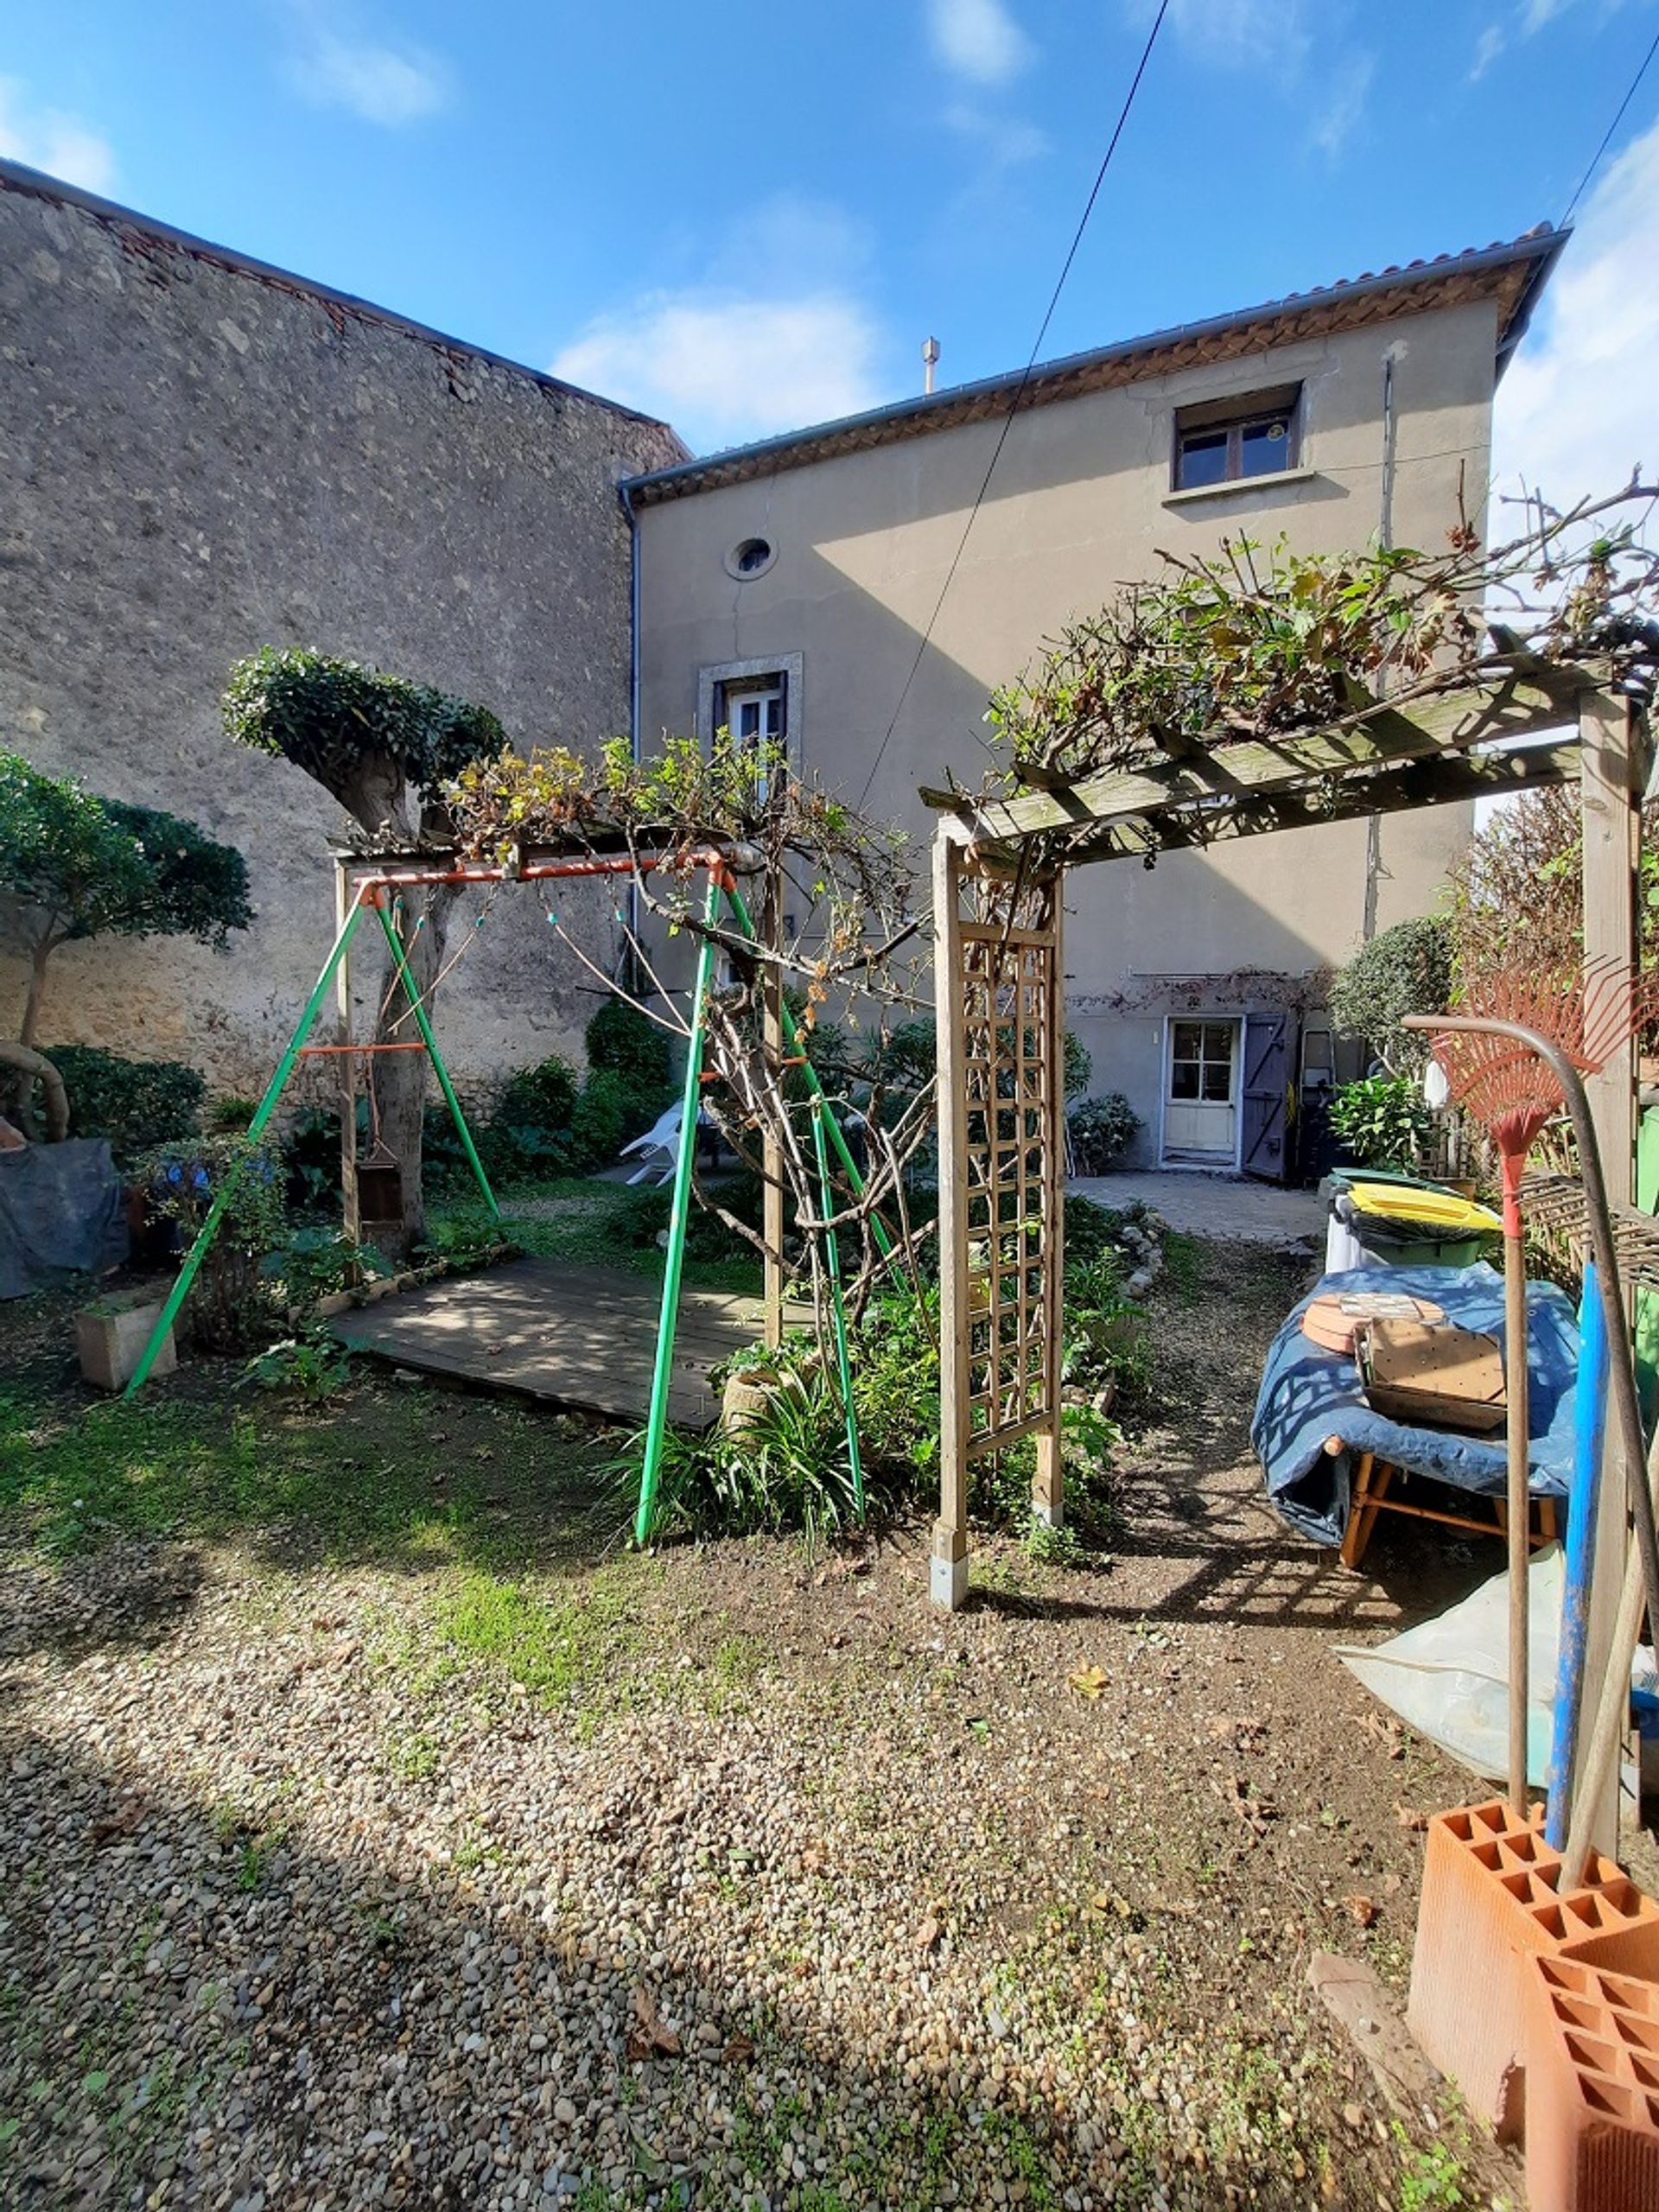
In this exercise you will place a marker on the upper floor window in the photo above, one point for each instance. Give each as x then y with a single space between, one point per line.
1228 441
754 713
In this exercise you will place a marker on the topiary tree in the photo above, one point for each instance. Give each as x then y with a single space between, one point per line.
1405 970
75 864
381 746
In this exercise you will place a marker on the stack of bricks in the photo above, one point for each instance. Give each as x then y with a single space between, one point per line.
1542 2003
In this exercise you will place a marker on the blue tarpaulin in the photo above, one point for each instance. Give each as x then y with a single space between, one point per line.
1308 1393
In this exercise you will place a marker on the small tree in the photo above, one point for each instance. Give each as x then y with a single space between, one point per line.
1406 969
75 865
381 746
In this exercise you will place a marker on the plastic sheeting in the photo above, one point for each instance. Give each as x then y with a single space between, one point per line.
1308 1395
61 1214
1448 1679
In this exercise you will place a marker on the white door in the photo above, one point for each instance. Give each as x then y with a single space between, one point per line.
1201 1094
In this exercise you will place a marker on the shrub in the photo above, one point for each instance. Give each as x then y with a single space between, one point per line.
232 1301
605 1118
541 1097
316 1263
137 1104
528 1133
621 1040
1101 1129
1406 969
229 1117
1382 1121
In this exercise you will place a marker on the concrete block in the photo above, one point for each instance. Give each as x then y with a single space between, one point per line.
1592 2090
111 1335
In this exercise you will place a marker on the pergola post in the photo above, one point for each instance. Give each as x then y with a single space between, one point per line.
948 1573
1048 1498
1611 815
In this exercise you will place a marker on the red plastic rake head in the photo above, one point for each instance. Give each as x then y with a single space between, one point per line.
1504 1082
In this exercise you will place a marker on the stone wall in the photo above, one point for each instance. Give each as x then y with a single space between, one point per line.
200 457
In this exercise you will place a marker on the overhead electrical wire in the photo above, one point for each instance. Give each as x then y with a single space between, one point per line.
1607 137
1020 391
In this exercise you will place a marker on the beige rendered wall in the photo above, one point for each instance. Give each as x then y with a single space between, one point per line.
1080 502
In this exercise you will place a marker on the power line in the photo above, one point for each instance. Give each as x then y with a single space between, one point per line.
1020 389
1607 140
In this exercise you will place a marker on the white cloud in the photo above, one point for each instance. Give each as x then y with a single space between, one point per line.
1343 96
978 39
1002 142
725 366
380 83
1575 412
46 138
1491 44
1236 34
772 333
1535 16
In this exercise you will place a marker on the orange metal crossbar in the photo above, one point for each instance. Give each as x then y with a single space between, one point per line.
402 1045
370 887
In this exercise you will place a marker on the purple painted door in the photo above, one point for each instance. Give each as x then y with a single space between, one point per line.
1264 1151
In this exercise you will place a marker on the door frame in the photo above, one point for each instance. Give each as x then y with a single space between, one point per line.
1165 1165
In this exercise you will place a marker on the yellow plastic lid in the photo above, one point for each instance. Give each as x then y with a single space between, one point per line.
1434 1209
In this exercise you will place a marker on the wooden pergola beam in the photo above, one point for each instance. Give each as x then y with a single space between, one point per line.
1520 706
1390 790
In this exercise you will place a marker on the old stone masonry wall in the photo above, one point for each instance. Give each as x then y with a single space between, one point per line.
197 459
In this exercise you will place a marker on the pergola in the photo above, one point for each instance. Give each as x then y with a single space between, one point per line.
998 875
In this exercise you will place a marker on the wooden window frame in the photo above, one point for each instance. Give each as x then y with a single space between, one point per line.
1234 417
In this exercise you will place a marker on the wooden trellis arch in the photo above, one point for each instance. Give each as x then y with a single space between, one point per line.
999 881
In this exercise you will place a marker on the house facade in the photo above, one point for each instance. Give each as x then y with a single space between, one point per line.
820 587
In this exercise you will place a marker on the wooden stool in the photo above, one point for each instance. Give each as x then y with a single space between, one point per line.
1373 1480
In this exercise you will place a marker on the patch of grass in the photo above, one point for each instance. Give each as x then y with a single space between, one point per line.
360 1477
561 1650
1182 1266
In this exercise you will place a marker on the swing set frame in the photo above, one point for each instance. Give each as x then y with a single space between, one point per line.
380 891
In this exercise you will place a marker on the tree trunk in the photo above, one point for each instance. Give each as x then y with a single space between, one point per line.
38 957
400 1081
31 1068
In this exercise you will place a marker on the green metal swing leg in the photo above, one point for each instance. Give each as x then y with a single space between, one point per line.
645 1519
263 1112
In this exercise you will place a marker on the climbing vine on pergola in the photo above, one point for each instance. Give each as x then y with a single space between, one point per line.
1252 692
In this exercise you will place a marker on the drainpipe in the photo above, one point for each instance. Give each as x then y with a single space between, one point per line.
1385 537
627 496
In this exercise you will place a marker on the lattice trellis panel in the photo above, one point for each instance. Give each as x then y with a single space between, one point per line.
1009 1073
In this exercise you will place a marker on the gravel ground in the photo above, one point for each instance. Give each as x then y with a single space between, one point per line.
731 1878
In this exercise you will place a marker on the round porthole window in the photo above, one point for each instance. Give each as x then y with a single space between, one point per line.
751 557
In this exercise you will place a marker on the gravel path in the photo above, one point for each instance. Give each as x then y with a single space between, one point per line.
730 1879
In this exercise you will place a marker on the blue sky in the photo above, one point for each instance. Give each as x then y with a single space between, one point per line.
745 214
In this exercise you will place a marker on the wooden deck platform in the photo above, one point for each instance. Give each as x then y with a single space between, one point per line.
582 1336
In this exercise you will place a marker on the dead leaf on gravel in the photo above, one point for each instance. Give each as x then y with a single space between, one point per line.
1388 1733
927 1934
1255 1812
813 1860
1363 1909
1409 1817
1090 1681
127 1816
649 2038
739 2050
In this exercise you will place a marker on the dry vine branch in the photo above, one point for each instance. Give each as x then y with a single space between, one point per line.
852 953
1236 645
